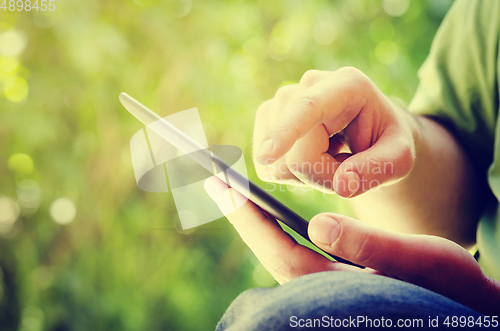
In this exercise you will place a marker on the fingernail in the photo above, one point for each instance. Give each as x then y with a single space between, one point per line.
325 230
264 151
211 189
352 182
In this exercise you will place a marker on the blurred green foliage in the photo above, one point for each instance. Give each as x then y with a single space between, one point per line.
122 262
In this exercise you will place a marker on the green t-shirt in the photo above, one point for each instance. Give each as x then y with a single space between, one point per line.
459 85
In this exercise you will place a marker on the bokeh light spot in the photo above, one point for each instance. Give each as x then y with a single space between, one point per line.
280 43
9 212
8 64
183 8
32 319
63 211
255 47
279 48
386 51
29 196
15 89
12 43
324 33
243 67
21 163
396 7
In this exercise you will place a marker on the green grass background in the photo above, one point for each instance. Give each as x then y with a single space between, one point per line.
123 263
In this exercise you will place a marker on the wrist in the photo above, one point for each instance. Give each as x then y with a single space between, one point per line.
414 127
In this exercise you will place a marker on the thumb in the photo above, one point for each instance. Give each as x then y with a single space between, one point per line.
435 263
404 256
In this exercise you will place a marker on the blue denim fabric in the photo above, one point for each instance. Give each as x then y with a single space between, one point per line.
339 295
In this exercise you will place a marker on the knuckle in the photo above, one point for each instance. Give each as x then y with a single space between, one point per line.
308 103
440 260
284 92
282 127
364 251
350 70
356 76
282 267
264 107
373 162
309 77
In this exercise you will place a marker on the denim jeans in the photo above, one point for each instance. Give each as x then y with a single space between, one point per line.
329 300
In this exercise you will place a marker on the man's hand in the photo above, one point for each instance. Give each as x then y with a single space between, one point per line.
308 130
431 262
338 133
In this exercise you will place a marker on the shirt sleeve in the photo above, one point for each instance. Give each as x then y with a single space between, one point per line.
459 79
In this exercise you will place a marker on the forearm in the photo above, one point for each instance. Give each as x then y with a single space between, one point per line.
441 195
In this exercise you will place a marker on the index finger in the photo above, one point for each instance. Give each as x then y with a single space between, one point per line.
336 100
